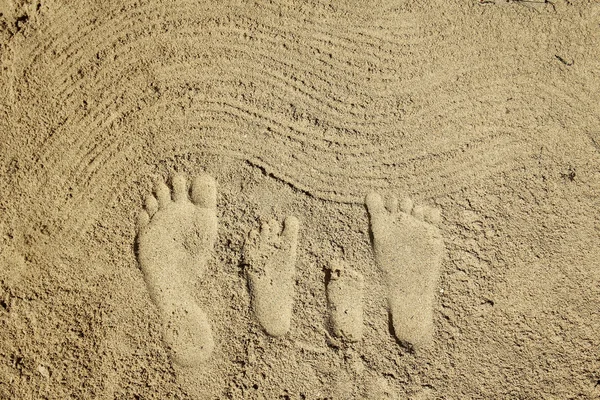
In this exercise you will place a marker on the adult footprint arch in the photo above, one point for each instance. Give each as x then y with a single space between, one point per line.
177 233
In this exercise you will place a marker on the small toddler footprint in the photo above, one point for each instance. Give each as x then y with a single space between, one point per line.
269 259
176 236
408 248
345 301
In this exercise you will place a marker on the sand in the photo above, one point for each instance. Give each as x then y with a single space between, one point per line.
485 110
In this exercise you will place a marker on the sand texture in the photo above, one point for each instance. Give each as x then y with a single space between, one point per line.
299 199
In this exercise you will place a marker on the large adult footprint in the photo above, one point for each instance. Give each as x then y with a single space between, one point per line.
176 237
408 249
270 258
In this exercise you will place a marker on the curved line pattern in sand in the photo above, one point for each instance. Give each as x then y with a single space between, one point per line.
62 92
186 66
80 28
116 31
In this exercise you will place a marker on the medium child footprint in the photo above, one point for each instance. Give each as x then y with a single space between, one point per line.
408 248
269 259
176 236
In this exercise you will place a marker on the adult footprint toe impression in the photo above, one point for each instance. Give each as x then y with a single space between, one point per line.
408 249
176 237
270 258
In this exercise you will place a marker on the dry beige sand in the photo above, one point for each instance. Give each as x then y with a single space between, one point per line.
184 209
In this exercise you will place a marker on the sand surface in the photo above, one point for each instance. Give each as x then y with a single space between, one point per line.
488 111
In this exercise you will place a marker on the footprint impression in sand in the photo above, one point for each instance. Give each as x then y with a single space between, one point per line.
408 249
269 260
345 301
177 233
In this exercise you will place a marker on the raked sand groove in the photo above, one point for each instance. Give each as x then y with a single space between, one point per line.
503 146
111 39
320 44
147 20
339 194
177 233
